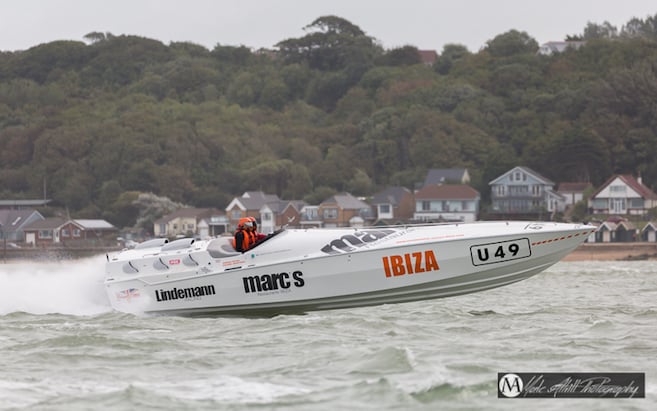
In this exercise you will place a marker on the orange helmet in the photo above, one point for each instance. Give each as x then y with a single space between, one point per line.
245 222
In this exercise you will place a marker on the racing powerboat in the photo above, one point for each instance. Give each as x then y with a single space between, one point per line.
298 270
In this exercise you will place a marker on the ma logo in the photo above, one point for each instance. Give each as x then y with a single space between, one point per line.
510 385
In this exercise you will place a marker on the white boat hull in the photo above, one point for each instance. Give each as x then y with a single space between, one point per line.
318 269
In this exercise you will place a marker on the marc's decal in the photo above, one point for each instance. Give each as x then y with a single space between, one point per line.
352 242
271 282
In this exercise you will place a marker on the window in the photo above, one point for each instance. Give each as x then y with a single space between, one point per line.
76 232
235 214
163 228
384 208
310 213
636 203
617 189
266 216
64 232
45 233
426 206
464 205
330 213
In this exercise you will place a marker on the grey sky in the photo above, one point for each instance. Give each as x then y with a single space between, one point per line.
427 24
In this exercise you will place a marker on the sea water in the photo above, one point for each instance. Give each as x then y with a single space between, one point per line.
63 348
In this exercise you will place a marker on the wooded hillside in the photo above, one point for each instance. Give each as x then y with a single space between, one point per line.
100 121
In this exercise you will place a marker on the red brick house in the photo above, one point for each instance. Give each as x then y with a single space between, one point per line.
57 231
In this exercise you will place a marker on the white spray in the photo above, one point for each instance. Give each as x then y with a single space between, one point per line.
67 287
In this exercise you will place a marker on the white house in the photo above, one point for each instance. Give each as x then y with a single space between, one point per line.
452 202
623 194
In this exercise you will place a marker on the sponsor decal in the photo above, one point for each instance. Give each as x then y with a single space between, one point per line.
232 262
271 282
410 263
184 293
174 261
128 294
571 385
352 242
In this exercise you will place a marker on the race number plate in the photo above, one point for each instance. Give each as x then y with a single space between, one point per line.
492 253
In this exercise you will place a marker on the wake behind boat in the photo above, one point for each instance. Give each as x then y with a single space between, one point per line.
300 270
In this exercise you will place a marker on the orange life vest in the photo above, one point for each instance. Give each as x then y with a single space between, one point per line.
247 240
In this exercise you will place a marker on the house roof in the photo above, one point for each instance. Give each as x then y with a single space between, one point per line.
559 46
346 202
46 224
23 203
445 175
94 224
428 56
12 220
277 206
391 195
447 192
253 200
536 175
197 213
576 187
650 226
296 204
631 182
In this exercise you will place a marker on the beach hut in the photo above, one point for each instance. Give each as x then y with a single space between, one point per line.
649 232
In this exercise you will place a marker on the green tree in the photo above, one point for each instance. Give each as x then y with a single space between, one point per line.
332 43
510 43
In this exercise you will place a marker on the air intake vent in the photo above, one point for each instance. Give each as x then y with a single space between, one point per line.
178 244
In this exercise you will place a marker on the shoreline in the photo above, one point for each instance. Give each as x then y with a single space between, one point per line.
613 252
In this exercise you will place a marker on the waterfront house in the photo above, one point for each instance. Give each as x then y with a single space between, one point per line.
437 176
279 213
309 215
185 221
14 221
213 225
248 205
447 202
622 194
522 190
344 210
573 192
56 231
393 204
